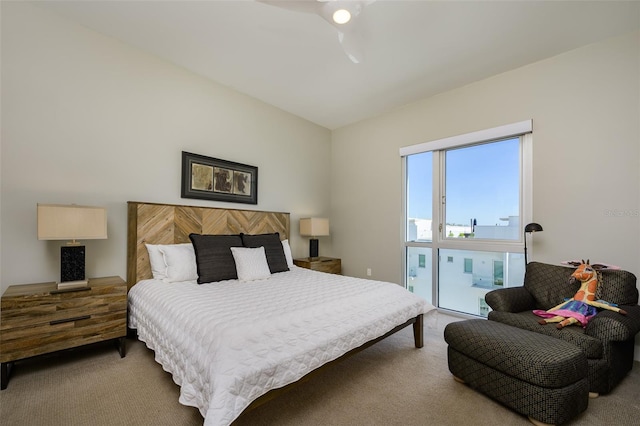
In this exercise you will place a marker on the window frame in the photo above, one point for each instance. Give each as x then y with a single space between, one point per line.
522 130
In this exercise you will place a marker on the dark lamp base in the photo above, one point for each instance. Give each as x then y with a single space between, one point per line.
71 263
313 247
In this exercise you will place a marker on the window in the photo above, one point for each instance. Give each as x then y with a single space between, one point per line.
482 190
419 203
498 272
468 266
419 280
465 199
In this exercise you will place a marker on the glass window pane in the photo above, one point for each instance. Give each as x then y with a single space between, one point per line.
464 292
419 196
419 276
498 273
482 191
468 266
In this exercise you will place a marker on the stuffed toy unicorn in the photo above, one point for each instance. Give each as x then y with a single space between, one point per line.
582 306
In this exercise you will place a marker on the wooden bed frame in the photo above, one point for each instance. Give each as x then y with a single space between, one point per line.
171 224
155 223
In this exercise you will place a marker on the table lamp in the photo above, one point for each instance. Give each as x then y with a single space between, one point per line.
314 227
72 223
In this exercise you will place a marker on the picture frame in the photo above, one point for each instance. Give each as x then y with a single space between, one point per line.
208 178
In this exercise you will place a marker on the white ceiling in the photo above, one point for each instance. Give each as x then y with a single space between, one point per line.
413 49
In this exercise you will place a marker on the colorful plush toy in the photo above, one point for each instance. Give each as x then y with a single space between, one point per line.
582 306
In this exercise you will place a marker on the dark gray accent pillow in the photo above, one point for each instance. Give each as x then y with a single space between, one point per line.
214 260
272 248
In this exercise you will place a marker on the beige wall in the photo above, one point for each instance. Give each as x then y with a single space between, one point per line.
585 107
89 120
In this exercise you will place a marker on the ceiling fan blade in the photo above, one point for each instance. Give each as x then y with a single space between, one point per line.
352 42
350 35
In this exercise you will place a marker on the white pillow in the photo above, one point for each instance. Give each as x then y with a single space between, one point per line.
173 262
251 263
158 267
287 253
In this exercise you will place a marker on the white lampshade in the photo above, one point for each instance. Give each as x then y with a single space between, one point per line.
71 222
314 227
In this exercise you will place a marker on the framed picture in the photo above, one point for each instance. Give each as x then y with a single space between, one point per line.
209 178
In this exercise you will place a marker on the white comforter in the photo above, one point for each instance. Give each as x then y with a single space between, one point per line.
228 343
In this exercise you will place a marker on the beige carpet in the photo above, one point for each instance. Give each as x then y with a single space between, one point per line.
390 383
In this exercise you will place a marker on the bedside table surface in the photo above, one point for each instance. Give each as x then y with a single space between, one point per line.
331 265
46 288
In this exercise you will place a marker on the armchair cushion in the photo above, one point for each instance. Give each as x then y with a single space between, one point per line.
617 286
549 284
591 346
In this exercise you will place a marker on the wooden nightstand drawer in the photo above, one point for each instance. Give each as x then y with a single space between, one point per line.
42 338
20 311
322 264
37 319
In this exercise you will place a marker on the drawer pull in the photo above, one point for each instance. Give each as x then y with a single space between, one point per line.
70 290
62 321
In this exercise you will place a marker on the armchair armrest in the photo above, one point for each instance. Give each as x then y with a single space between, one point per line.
613 326
512 299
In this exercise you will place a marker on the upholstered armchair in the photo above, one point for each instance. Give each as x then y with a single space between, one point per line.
607 341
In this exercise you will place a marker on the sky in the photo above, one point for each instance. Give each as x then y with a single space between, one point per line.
482 182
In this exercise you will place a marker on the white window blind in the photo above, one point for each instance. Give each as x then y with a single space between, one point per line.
501 132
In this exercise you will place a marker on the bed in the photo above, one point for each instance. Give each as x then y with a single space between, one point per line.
235 343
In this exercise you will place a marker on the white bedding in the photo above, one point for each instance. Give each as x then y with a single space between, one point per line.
227 343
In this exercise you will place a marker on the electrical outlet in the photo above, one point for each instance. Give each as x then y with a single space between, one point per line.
368 272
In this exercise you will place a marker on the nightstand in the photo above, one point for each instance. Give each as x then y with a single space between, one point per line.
322 264
36 319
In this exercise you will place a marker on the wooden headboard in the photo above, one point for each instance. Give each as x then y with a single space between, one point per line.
171 224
